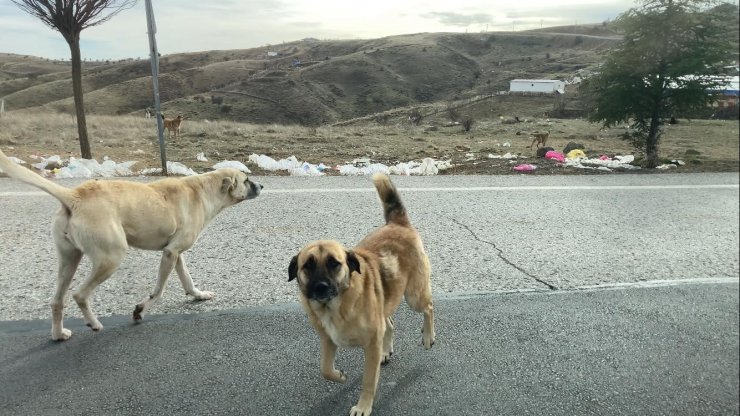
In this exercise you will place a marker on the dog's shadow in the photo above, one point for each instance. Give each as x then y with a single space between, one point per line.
388 393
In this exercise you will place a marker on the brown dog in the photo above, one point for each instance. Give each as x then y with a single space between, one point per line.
350 295
173 125
102 219
540 139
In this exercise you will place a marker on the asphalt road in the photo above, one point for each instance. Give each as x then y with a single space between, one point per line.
482 234
605 294
666 350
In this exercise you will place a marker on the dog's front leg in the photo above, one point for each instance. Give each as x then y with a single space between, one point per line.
328 353
169 258
373 353
187 281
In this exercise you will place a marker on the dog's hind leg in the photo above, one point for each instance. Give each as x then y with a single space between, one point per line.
419 296
423 304
105 263
388 340
69 259
187 281
169 259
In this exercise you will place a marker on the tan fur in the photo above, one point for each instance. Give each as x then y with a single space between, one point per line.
540 139
102 219
173 125
369 282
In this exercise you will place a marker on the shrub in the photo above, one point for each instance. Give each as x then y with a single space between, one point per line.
467 123
415 117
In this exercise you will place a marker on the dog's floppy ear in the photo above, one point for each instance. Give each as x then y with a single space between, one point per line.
352 262
227 184
293 268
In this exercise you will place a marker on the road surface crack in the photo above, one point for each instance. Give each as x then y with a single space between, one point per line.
502 256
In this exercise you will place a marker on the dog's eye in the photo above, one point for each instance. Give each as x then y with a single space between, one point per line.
310 263
332 263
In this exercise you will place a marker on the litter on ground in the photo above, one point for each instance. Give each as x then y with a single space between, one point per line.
89 168
232 164
525 167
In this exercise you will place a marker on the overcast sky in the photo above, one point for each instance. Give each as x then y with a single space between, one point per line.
197 25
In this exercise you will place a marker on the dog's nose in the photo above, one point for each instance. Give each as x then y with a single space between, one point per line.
262 187
321 288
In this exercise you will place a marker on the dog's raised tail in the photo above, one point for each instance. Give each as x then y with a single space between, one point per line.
65 195
393 208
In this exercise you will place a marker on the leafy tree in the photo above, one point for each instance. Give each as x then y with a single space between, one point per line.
665 65
70 17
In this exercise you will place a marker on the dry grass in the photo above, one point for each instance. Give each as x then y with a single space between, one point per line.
706 144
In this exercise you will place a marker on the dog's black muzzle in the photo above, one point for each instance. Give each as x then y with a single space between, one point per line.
255 188
321 291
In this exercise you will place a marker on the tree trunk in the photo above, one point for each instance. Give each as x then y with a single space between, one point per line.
651 142
74 47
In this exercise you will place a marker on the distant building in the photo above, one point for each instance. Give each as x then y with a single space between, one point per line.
547 86
728 93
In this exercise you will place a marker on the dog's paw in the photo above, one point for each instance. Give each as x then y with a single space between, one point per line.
137 312
336 376
95 326
427 340
360 411
386 357
204 295
63 335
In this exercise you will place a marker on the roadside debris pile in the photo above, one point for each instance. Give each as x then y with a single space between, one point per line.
574 155
364 166
89 168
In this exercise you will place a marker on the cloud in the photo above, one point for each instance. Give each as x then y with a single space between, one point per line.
459 19
583 13
197 25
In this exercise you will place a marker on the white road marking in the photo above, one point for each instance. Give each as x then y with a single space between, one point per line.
506 188
590 288
461 189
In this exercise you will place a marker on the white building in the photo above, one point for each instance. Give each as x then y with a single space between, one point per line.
547 86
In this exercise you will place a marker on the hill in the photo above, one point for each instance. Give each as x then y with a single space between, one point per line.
311 82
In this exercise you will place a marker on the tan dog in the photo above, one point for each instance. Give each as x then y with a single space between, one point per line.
101 219
540 139
350 296
173 125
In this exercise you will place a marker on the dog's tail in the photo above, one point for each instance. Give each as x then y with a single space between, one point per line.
65 195
393 208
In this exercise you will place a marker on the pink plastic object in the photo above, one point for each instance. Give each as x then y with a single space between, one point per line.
524 167
604 157
555 156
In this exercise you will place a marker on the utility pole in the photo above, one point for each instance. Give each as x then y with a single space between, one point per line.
154 58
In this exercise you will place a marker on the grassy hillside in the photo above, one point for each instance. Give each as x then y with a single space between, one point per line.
334 81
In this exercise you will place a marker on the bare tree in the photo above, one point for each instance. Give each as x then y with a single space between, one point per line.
70 17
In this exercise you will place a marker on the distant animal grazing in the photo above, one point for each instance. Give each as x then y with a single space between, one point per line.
540 139
173 125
